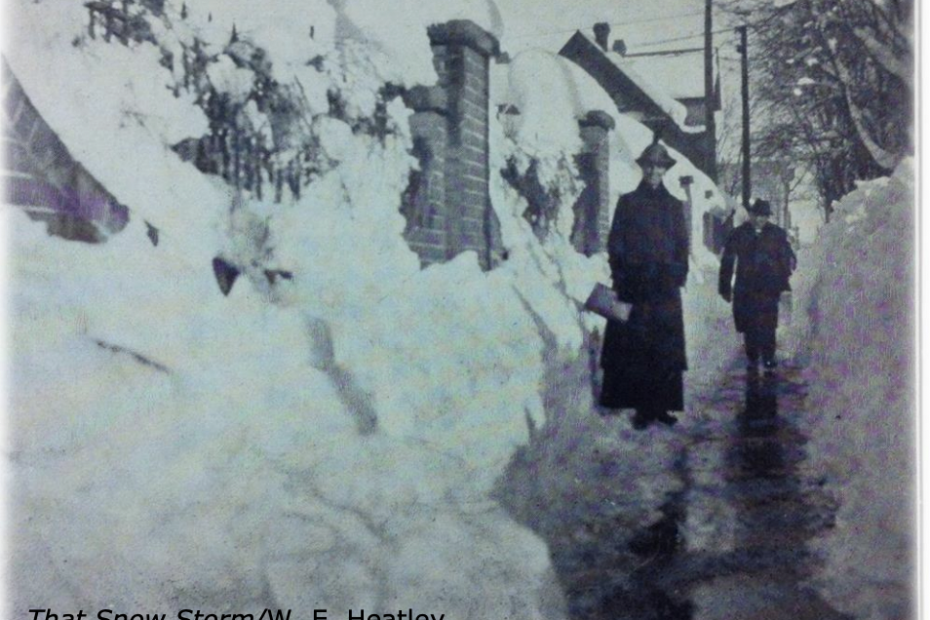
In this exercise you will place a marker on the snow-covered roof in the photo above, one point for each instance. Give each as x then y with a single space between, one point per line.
682 75
535 78
650 87
545 94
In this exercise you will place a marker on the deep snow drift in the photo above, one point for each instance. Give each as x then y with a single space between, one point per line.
854 299
325 441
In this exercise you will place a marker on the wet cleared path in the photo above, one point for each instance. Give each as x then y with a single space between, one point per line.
748 459
732 541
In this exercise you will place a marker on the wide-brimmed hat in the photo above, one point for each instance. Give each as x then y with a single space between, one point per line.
656 154
760 207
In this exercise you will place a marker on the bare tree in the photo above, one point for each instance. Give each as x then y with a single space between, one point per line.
833 85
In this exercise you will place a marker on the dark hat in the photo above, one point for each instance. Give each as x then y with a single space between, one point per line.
655 153
760 207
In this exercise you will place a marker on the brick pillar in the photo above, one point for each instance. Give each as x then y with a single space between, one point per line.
424 202
592 209
461 53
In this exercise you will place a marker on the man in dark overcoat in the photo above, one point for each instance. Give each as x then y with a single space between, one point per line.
764 262
644 357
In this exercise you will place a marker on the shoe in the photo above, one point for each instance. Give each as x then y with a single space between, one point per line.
667 419
641 420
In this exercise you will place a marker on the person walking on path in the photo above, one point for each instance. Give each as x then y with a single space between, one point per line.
764 262
643 358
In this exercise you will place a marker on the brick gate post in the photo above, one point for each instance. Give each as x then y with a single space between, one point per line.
461 54
592 209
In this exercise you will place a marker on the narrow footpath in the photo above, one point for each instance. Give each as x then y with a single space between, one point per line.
709 520
733 542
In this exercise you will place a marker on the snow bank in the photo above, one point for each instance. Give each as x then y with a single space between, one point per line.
349 419
234 482
172 444
855 300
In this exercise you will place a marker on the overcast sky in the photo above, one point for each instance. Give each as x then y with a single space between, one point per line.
549 23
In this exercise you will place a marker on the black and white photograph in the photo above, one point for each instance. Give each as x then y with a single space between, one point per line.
460 309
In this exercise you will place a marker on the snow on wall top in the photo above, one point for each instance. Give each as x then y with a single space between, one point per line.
291 31
113 105
551 94
526 78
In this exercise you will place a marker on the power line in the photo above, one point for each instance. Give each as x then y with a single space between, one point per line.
665 52
612 25
685 38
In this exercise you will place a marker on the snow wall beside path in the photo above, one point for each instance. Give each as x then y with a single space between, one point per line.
854 296
321 442
328 440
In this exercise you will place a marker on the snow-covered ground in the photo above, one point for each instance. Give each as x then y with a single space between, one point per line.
331 440
339 439
855 332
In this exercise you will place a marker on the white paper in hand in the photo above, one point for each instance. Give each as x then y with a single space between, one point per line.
604 302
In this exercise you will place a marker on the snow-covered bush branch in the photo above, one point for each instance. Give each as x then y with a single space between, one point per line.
836 77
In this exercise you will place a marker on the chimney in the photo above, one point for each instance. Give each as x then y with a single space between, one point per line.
601 34
620 47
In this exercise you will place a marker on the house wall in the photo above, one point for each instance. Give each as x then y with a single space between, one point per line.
40 175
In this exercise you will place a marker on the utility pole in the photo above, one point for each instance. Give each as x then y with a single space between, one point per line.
710 98
744 55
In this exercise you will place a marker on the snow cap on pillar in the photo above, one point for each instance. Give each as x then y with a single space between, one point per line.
465 32
597 118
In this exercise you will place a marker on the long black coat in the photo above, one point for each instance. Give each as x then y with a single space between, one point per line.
643 359
764 262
